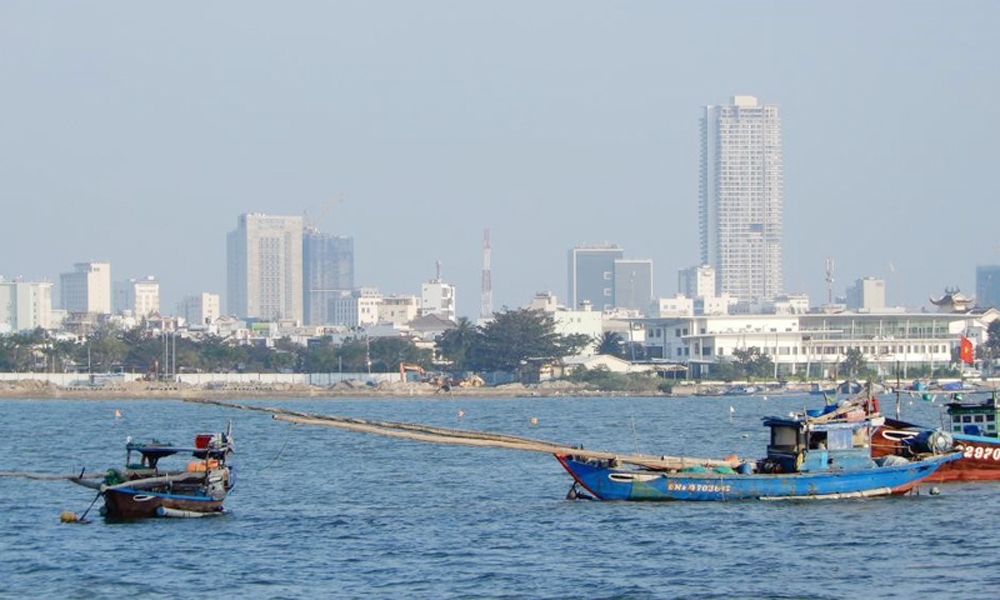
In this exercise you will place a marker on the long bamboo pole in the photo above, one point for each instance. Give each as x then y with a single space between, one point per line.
443 435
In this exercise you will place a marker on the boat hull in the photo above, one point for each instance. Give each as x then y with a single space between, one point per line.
980 459
127 503
607 483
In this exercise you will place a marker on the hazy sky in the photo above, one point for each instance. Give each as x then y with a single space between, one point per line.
137 132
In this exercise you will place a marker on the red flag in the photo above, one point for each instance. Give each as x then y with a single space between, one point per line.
965 352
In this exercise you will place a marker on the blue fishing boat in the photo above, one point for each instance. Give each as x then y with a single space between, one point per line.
815 455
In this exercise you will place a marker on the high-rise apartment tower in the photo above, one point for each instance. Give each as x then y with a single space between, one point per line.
328 263
742 198
264 267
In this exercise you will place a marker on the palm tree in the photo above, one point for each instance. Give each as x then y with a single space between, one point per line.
610 343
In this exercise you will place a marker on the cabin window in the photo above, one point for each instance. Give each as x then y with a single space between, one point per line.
839 439
991 418
966 418
979 419
784 437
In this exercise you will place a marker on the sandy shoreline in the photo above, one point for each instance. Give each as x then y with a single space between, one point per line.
154 391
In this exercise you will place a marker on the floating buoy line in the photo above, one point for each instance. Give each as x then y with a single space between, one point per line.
465 437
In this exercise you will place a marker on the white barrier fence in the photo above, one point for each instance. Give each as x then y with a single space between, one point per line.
204 379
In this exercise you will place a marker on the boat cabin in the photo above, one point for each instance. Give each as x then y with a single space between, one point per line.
802 445
975 419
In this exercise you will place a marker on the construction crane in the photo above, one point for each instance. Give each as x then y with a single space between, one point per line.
314 222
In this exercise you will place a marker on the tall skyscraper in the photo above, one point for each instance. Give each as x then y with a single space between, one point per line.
590 276
633 284
742 198
328 266
87 289
264 267
988 286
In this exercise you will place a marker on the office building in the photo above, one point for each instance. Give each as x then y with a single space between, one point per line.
201 309
140 297
590 276
87 289
633 284
264 268
988 286
867 295
25 306
742 198
328 271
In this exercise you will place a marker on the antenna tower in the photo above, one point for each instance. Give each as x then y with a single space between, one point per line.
486 306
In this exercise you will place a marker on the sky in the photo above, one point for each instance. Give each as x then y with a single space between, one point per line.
137 132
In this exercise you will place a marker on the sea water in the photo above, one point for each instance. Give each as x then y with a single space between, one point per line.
325 513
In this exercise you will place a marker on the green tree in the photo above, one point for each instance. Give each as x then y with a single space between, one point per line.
854 363
513 336
386 354
752 362
573 344
459 343
610 343
989 351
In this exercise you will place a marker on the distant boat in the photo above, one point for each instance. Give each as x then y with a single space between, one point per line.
820 454
970 428
144 489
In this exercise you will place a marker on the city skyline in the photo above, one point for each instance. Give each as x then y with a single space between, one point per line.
141 158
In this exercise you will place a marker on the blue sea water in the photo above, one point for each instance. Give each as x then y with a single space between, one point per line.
324 513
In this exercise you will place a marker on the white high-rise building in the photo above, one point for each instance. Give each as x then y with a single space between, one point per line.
201 309
25 306
141 297
696 282
264 267
742 198
438 298
87 289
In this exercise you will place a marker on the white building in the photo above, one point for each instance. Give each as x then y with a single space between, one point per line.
264 267
696 282
742 198
25 306
814 344
570 322
201 309
140 297
87 289
438 298
398 310
357 308
678 306
866 294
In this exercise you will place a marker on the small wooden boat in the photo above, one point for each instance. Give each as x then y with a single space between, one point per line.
970 428
143 489
811 456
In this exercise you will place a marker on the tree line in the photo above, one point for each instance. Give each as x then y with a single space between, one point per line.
510 341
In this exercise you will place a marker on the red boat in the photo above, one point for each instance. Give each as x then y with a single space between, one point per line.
973 431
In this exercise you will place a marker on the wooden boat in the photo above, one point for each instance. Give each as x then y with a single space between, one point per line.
144 489
971 428
811 456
